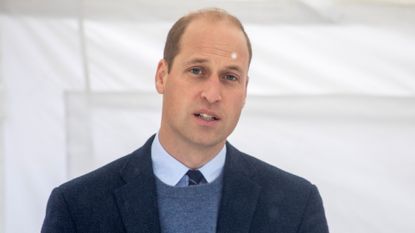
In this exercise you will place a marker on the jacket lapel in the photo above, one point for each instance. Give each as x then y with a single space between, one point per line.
239 195
137 200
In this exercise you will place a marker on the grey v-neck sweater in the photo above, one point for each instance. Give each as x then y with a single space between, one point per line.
189 209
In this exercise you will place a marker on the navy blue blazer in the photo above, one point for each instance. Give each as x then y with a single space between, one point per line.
121 197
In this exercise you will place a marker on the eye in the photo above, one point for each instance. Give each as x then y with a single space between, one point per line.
196 70
230 77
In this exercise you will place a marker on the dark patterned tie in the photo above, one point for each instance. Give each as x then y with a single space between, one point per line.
195 177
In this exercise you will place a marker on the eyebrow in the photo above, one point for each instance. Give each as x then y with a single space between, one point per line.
202 61
235 68
196 61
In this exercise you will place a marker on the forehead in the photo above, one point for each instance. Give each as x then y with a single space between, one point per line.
218 37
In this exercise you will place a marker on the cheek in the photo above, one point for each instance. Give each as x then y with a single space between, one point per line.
177 99
237 105
241 97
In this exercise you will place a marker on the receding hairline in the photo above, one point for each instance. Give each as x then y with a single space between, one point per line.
210 14
216 15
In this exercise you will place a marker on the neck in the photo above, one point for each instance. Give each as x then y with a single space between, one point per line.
190 154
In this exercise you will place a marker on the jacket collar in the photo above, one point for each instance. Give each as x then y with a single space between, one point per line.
137 199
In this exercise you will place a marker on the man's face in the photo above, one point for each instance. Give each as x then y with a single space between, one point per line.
205 90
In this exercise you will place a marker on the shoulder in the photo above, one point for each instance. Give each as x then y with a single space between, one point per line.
88 195
90 198
289 201
292 201
270 177
113 174
95 184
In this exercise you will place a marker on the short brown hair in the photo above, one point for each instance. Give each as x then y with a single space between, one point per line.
172 46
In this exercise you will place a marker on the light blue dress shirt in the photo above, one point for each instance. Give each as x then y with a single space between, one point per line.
172 172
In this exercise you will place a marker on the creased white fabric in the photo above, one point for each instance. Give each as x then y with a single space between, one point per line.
331 98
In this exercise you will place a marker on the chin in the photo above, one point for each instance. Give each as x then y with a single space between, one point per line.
208 141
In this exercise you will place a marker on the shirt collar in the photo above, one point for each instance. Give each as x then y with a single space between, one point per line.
170 171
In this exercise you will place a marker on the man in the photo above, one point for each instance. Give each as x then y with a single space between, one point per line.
187 178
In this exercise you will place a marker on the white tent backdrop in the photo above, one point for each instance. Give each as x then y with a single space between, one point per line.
331 98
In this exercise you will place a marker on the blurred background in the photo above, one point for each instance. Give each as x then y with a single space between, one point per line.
331 98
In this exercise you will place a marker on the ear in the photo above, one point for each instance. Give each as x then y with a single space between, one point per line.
161 76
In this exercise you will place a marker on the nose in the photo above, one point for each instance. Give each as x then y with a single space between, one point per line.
212 90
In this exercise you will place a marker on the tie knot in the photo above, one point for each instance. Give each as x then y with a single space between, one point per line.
195 177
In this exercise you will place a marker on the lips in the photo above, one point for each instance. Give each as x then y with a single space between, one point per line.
207 116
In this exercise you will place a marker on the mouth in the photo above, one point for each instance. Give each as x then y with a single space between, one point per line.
206 117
